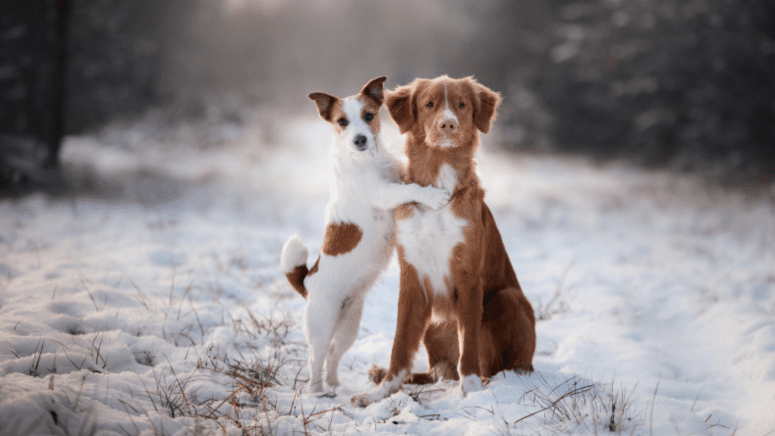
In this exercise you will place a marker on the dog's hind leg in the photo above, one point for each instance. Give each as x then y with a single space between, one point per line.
319 323
507 337
344 335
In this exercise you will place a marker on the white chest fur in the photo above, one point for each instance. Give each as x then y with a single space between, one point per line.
429 235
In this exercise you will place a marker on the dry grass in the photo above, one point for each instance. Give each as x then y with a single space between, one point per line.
263 362
260 375
254 376
249 406
557 304
576 406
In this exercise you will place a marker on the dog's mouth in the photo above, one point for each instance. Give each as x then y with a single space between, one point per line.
442 140
445 142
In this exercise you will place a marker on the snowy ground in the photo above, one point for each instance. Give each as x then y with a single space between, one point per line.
156 305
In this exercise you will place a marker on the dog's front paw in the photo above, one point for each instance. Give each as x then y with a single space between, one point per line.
364 400
470 383
435 197
383 391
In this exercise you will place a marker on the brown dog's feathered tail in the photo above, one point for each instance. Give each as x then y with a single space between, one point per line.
376 374
293 261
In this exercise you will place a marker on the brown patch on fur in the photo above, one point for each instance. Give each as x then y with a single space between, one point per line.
482 338
337 113
314 268
370 106
296 279
341 238
402 212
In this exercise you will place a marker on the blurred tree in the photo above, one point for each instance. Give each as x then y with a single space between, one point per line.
681 82
33 38
118 51
69 66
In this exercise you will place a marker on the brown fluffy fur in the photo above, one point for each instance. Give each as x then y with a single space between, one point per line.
486 324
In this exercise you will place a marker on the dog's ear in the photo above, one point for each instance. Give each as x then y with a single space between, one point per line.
486 107
375 90
325 103
400 104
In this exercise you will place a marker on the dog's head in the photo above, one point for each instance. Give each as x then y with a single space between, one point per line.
356 118
443 112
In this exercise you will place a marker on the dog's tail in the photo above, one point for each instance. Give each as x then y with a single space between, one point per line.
293 261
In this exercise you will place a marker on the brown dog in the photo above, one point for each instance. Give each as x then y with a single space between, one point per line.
458 291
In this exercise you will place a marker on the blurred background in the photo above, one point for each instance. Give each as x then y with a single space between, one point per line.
687 85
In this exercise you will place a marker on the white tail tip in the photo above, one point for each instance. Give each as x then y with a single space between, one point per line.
294 254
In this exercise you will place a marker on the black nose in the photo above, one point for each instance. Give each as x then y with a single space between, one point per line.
360 142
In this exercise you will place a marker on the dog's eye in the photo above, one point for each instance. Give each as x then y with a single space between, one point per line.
368 117
430 104
461 105
343 122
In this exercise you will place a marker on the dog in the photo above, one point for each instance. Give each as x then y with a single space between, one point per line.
459 293
360 231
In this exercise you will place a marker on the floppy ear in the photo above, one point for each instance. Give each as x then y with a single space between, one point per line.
485 110
400 104
374 90
325 103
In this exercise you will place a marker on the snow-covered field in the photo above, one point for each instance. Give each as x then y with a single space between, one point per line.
156 305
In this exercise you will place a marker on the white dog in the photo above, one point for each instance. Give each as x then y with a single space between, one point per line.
359 236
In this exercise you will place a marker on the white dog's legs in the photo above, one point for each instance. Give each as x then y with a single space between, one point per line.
319 322
344 336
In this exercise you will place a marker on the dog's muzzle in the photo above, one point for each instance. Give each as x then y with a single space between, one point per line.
360 142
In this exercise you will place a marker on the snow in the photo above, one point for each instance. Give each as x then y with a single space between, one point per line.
155 303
